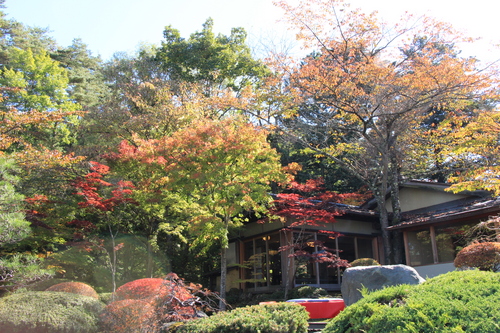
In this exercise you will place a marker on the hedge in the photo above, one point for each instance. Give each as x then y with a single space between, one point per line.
271 318
460 301
79 288
49 312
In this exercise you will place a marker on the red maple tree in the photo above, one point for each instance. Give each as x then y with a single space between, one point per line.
308 207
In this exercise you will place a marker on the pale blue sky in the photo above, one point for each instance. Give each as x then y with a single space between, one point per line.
109 26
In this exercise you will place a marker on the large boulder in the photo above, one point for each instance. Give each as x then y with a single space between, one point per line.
375 278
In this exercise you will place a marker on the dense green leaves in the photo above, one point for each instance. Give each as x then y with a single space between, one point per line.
216 170
213 60
13 224
272 318
46 311
464 301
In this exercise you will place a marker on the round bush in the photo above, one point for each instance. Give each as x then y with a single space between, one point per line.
484 256
365 262
127 316
147 304
307 292
140 289
460 301
79 288
145 289
49 312
272 318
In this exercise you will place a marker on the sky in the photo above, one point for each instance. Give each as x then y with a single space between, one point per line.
109 26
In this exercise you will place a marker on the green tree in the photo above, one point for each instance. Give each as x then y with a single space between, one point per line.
17 35
38 83
16 270
13 224
145 102
86 84
212 60
216 170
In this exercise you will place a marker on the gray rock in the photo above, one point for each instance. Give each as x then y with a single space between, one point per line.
374 278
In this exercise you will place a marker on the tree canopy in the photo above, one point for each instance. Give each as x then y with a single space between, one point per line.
176 146
362 96
213 60
219 171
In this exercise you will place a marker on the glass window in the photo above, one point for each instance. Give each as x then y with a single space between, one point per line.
260 262
365 247
263 261
450 240
251 261
274 257
420 247
263 258
305 270
328 275
347 248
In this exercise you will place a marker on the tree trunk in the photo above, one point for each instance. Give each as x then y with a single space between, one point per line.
223 278
223 265
149 264
113 260
397 238
384 224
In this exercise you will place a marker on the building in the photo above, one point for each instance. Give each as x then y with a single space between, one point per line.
433 225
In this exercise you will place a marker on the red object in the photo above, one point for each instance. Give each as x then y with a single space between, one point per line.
322 307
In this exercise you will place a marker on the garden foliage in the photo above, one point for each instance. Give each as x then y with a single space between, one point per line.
127 316
307 292
365 262
21 270
460 301
75 288
49 312
150 304
271 318
141 289
484 256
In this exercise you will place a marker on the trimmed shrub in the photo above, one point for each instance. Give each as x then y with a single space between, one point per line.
307 292
127 316
143 289
484 256
272 318
164 301
49 312
79 288
365 262
106 298
460 301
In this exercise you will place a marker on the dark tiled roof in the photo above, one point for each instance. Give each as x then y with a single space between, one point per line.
468 208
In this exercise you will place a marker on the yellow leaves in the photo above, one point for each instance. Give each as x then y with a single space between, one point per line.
476 147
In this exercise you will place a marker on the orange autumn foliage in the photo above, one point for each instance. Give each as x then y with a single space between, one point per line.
147 288
484 256
146 305
126 316
79 288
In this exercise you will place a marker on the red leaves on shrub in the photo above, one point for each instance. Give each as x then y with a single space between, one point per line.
128 315
168 300
146 288
75 288
139 289
484 256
